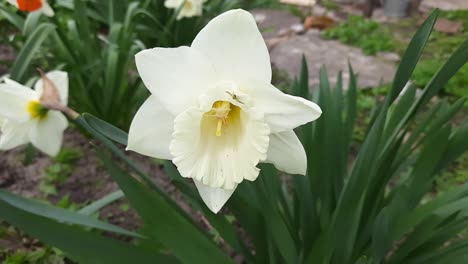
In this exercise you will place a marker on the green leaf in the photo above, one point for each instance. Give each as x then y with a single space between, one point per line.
164 224
12 17
409 221
450 68
219 222
411 56
31 22
108 130
101 203
60 214
457 144
81 246
32 45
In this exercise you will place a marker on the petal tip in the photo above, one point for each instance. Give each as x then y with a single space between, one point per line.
214 198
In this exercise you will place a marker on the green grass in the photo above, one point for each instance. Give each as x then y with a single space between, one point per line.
59 171
439 48
457 174
372 37
367 99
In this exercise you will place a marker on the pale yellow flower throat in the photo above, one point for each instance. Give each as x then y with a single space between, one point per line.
223 111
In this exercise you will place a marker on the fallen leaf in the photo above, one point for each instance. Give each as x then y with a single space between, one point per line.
319 22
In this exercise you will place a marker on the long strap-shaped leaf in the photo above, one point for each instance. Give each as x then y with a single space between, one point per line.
61 215
164 224
80 245
12 17
33 43
108 130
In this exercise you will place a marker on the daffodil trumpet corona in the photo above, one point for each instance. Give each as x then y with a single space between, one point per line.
34 116
214 112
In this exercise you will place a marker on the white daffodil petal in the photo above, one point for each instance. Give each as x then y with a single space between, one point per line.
47 9
224 159
151 130
13 134
287 153
173 3
283 112
47 134
60 80
235 47
177 76
13 2
20 89
186 8
14 101
214 198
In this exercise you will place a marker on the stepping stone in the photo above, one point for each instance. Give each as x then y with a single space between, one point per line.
279 29
287 55
445 4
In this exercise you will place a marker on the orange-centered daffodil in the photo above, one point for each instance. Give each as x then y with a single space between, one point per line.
33 5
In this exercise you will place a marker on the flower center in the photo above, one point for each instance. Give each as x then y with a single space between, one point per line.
29 5
36 110
188 5
224 112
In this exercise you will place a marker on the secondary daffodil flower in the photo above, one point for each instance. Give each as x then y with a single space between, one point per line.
33 5
213 111
188 8
26 120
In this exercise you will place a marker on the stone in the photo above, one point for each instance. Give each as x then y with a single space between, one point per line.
286 49
445 4
286 56
272 22
299 2
445 25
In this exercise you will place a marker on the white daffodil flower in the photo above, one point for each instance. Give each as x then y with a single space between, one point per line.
188 8
214 112
26 120
33 5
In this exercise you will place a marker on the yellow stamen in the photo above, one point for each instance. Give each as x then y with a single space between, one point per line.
220 111
36 110
218 127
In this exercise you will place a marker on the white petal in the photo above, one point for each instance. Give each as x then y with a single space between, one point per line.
235 47
287 153
21 90
151 130
219 161
173 3
47 9
13 2
214 198
282 111
14 99
47 134
60 80
13 134
176 76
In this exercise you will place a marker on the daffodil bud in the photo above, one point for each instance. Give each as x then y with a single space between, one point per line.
50 94
51 99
